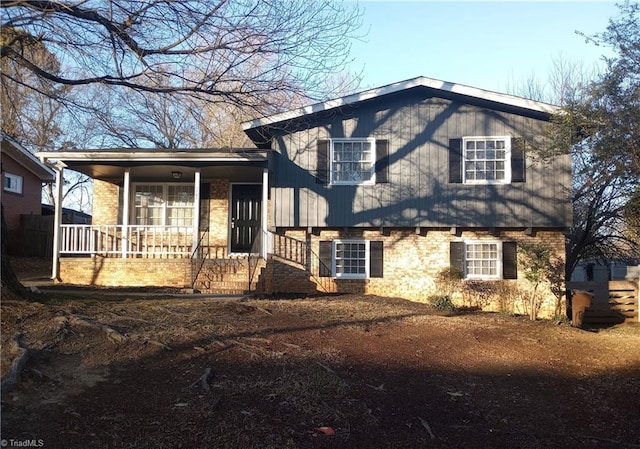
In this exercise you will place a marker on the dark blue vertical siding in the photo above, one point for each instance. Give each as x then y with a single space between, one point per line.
418 192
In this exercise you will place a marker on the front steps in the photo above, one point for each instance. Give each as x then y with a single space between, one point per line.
227 276
280 275
231 277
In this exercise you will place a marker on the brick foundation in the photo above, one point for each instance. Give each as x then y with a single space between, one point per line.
115 272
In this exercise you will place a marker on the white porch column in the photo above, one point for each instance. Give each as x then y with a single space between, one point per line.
196 210
57 222
126 198
265 212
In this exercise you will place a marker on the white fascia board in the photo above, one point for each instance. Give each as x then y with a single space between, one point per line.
140 157
422 81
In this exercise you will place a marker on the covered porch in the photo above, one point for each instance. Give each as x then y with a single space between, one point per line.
183 206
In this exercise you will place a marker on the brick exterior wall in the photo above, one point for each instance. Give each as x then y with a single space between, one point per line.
115 272
411 262
105 203
219 217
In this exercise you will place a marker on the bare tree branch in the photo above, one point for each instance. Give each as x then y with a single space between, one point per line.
233 51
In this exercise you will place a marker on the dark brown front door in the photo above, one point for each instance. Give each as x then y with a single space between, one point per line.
246 206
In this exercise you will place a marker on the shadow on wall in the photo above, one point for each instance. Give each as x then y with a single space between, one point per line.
97 263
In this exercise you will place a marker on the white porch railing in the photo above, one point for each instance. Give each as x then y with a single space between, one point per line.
133 240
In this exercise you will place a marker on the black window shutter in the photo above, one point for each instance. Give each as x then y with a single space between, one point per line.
518 160
456 255
455 160
509 260
382 161
326 257
322 161
376 259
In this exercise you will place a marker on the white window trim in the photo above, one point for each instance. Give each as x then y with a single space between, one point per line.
499 267
17 179
372 179
165 208
507 161
367 256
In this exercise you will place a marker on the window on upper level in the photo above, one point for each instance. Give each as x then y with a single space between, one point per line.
12 183
487 160
353 161
163 204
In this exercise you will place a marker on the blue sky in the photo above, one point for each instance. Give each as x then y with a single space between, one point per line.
490 45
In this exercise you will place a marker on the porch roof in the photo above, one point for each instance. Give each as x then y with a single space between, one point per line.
110 164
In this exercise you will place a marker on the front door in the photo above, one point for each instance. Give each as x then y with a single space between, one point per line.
246 207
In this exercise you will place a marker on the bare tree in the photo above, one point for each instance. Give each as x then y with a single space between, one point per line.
139 120
600 197
236 52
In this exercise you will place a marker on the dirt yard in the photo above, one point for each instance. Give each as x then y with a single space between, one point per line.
126 370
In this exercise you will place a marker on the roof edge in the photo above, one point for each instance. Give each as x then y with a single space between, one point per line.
461 89
28 160
244 154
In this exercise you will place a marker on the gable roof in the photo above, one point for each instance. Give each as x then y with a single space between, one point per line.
23 157
444 88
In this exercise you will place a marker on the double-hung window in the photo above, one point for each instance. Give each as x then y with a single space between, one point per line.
163 204
353 161
483 260
487 160
12 183
351 259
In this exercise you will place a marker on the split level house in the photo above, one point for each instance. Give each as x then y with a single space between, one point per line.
374 192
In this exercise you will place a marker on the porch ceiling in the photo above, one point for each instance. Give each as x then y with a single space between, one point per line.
110 165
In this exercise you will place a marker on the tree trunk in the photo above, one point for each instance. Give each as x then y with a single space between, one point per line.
9 279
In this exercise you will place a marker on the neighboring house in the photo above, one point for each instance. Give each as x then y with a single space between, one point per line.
613 270
22 178
374 192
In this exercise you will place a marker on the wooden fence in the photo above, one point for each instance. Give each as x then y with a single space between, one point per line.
613 302
35 236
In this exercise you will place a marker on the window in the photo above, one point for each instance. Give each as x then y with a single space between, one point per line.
351 259
485 259
487 160
163 204
12 183
180 205
353 161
